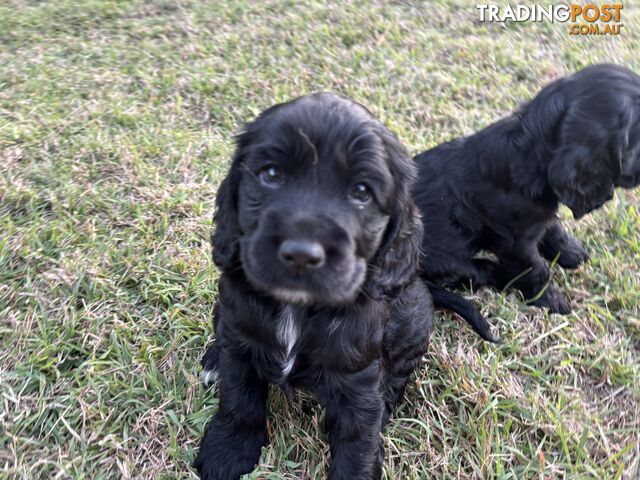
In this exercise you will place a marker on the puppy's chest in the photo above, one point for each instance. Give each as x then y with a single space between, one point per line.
297 338
287 331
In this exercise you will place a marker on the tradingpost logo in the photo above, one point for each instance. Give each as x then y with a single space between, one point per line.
589 19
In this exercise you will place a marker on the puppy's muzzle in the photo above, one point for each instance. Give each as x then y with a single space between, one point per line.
304 257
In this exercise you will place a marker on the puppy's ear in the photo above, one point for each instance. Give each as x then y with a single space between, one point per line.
398 258
592 142
583 177
226 233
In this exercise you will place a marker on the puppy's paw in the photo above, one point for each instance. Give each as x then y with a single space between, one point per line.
227 454
210 472
554 301
213 470
210 366
376 470
486 273
210 469
573 253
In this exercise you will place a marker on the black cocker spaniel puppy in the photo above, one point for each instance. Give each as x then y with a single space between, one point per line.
318 241
499 189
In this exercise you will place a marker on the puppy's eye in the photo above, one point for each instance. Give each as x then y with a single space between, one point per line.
271 176
360 194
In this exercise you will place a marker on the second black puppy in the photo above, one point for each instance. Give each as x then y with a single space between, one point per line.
499 189
318 241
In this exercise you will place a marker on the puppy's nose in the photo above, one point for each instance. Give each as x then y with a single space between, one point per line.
301 255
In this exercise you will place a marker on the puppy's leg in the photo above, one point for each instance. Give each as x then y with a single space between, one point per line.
527 271
556 240
353 403
232 443
405 340
397 377
554 300
210 359
453 271
210 365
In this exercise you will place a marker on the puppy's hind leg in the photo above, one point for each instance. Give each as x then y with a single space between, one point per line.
211 359
557 242
453 271
527 271
210 365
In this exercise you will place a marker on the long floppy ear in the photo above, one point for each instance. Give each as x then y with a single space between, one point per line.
630 171
226 233
583 177
397 261
593 139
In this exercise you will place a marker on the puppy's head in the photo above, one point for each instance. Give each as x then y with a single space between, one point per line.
599 151
316 206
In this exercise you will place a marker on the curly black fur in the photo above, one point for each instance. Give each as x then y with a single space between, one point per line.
318 241
499 189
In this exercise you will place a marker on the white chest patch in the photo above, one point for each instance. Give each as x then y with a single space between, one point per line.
287 334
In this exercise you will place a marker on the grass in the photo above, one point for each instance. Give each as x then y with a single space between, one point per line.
116 126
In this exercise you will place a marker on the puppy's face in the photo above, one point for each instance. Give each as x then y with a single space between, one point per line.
314 200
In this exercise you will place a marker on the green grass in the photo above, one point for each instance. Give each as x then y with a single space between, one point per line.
116 126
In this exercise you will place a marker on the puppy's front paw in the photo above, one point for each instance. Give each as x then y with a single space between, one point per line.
573 253
212 470
554 301
228 455
210 366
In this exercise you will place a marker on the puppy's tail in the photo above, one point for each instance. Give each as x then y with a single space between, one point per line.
443 298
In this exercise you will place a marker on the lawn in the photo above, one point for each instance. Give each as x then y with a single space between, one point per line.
117 121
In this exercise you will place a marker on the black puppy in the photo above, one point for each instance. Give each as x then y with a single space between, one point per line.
499 189
318 241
